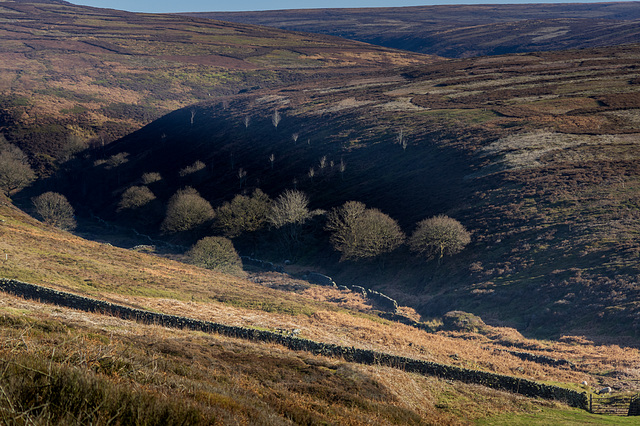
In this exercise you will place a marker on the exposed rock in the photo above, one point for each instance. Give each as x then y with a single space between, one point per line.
383 300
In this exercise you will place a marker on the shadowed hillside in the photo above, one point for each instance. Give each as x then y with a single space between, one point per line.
533 153
464 30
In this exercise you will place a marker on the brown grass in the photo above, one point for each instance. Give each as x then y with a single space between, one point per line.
215 377
276 302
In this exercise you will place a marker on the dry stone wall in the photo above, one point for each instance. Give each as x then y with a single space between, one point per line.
363 356
382 300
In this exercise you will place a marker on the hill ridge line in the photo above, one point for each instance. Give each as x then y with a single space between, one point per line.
518 385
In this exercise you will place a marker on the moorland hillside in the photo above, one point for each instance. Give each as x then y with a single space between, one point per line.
65 365
464 30
534 154
71 76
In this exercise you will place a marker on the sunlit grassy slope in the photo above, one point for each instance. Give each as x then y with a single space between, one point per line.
63 366
80 353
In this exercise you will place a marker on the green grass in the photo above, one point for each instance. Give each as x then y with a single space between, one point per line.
550 416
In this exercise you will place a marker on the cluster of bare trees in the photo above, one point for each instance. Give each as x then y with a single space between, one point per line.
356 231
315 170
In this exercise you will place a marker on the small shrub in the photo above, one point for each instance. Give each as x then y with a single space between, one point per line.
216 253
462 321
117 160
193 168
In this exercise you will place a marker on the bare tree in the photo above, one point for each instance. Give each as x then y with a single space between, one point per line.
290 207
360 233
401 139
73 145
243 214
276 118
312 173
151 177
54 209
439 236
272 159
294 138
288 213
323 162
186 210
135 197
193 115
342 167
15 171
246 120
242 176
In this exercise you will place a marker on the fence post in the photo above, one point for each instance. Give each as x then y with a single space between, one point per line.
591 403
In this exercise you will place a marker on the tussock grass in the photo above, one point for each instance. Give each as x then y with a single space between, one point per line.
78 340
72 367
274 302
